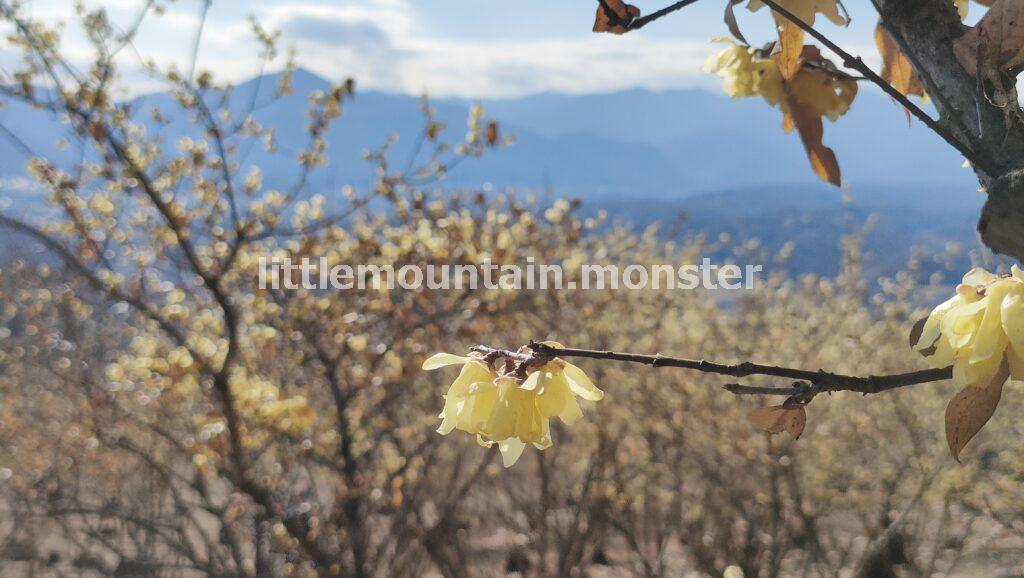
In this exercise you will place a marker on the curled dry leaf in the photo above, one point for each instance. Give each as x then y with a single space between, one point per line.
731 23
917 330
896 68
492 134
780 418
996 43
812 130
971 409
915 337
434 130
614 16
791 36
790 48
817 90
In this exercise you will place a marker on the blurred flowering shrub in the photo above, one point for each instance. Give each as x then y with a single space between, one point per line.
161 414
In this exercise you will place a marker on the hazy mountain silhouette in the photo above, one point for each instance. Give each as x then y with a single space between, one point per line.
727 164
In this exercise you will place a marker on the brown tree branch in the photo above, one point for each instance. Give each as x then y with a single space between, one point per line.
638 23
926 31
645 20
820 381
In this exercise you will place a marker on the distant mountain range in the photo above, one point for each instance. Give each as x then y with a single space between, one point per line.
644 155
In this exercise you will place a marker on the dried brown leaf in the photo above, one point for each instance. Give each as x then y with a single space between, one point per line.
971 409
996 43
731 23
811 130
492 133
916 331
780 418
817 89
915 336
614 16
896 68
790 49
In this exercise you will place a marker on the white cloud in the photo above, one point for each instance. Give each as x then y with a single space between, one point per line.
409 60
384 46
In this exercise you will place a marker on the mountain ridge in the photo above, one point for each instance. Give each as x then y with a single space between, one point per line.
683 150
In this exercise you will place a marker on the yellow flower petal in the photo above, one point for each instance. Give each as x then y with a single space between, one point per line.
535 381
479 407
556 394
931 331
959 324
1015 358
1017 273
510 449
944 354
439 360
990 339
571 413
544 443
580 384
978 276
1013 317
530 425
975 374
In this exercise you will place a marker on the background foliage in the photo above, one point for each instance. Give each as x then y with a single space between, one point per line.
162 416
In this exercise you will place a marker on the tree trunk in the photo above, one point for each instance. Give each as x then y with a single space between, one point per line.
1002 219
926 31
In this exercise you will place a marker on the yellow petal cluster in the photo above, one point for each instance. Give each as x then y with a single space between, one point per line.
978 328
745 74
507 411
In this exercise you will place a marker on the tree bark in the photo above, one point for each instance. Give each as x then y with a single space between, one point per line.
925 31
1002 218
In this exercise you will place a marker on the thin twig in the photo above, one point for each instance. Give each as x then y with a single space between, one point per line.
856 63
198 38
821 381
755 390
645 20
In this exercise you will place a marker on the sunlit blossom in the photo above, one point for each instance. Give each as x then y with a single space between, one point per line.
510 411
978 328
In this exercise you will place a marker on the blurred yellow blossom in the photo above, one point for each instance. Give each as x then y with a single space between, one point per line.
978 328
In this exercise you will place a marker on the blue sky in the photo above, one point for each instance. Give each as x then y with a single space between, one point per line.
468 48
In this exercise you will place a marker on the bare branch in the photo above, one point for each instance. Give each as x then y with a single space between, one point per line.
645 20
536 354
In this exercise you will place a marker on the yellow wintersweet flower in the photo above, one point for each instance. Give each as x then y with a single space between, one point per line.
978 328
557 384
745 75
510 411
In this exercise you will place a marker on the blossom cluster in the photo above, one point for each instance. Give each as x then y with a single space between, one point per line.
747 72
510 410
979 328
